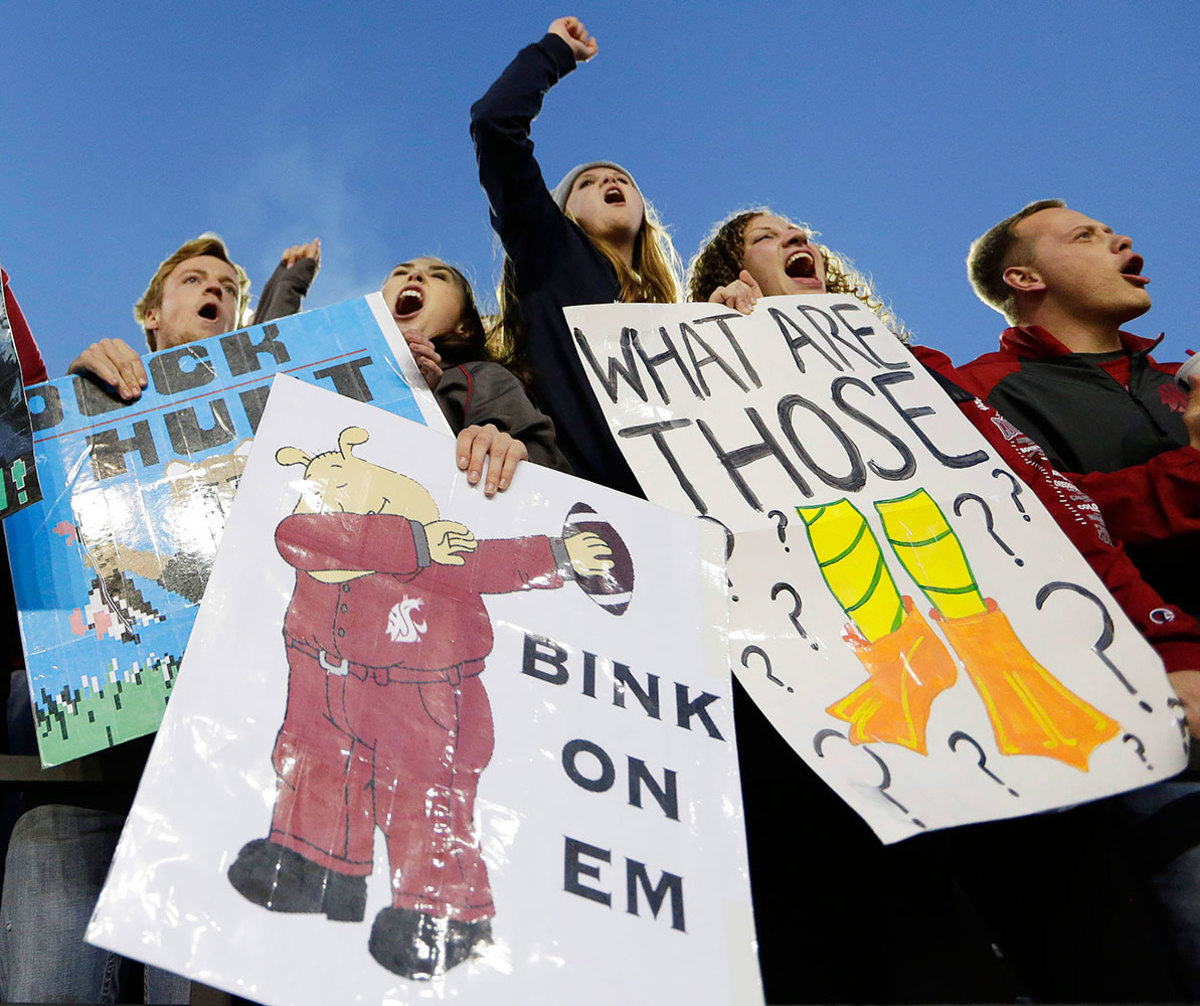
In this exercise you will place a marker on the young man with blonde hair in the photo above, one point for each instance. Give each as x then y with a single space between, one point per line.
197 291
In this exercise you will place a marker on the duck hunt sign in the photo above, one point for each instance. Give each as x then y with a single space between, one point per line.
109 568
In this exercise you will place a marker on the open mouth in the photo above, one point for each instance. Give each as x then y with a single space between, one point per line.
209 312
614 196
1132 271
800 265
409 302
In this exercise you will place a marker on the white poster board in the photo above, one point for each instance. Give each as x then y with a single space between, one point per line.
608 816
904 610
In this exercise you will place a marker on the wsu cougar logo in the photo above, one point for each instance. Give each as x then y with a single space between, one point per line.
401 625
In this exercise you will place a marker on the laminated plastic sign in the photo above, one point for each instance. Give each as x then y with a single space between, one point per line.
109 567
19 486
903 608
484 760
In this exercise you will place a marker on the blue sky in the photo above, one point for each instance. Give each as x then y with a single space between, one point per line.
900 130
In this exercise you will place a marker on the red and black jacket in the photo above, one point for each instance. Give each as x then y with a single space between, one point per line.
1123 442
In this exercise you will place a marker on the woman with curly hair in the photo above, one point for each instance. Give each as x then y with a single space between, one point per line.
757 241
966 915
593 239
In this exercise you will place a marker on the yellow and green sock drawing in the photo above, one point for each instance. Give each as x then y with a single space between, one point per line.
907 664
1031 712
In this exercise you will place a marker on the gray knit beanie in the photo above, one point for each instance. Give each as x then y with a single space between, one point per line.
563 189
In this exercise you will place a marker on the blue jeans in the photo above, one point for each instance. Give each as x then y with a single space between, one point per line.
58 857
57 861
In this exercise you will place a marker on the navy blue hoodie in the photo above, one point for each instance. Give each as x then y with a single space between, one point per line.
556 263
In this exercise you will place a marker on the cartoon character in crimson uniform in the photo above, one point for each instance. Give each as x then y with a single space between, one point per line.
387 721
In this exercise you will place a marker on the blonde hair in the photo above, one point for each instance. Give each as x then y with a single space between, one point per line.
653 279
721 258
207 243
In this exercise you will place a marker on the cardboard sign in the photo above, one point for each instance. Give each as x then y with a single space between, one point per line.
905 611
472 764
109 568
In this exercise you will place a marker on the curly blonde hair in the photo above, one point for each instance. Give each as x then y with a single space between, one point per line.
721 258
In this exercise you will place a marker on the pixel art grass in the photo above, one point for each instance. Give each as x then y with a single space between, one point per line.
100 713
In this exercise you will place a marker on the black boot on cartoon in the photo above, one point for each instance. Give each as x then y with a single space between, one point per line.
272 875
419 945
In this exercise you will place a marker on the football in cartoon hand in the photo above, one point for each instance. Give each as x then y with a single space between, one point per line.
612 589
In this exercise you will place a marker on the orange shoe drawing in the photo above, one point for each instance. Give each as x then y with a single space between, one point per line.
1031 711
908 669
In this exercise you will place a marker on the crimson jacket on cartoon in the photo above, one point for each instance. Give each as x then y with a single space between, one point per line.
388 724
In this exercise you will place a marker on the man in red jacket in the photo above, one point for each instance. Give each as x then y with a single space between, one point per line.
1088 392
33 370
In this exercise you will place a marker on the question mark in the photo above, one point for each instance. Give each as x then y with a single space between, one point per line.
823 735
1016 490
1181 722
781 529
729 542
959 735
1104 641
987 518
18 474
794 614
766 661
1141 749
887 781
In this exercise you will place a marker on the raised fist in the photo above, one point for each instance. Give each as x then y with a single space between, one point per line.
572 31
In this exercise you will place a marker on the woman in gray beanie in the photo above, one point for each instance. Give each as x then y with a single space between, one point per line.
593 240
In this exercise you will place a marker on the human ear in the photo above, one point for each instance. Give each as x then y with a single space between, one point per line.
1023 279
150 328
